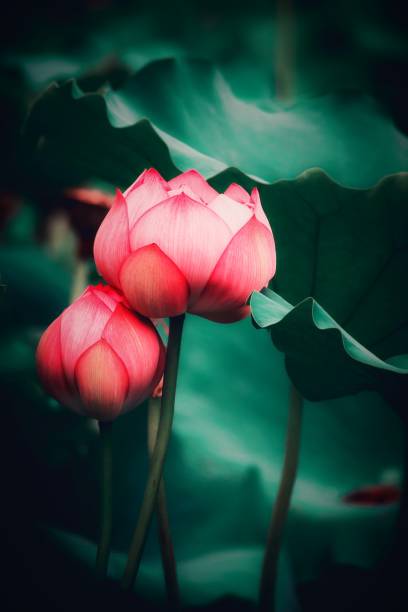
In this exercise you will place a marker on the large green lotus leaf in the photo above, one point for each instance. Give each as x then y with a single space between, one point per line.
348 250
322 359
190 103
195 120
68 140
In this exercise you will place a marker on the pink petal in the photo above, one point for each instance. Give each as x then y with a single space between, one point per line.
187 191
149 189
234 214
247 264
189 233
111 245
82 325
138 181
237 193
139 346
153 284
196 183
107 295
151 172
259 211
50 368
102 382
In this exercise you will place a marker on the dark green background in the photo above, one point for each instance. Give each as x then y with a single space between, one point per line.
227 448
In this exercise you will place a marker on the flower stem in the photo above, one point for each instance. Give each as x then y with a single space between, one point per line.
281 506
159 453
166 544
105 536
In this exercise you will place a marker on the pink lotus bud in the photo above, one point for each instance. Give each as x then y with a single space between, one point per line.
98 357
180 246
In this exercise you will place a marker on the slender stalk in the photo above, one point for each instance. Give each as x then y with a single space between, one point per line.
159 453
281 506
166 544
105 535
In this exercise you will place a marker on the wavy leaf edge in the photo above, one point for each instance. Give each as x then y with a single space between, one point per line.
277 309
219 167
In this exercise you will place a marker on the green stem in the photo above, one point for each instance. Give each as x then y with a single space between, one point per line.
159 453
166 544
105 536
281 506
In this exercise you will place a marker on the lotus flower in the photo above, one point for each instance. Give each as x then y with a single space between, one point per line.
98 358
179 246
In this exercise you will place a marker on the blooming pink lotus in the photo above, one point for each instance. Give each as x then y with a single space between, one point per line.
179 246
98 357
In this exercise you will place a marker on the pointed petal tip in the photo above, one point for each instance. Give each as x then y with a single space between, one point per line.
149 175
119 197
237 193
190 172
255 194
107 295
259 211
196 182
102 381
153 284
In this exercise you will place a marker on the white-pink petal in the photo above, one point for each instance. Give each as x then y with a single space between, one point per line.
149 190
259 211
189 233
197 183
247 265
237 193
106 297
138 345
50 368
102 382
234 214
82 325
111 246
151 173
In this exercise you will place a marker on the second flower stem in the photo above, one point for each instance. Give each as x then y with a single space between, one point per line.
281 506
159 453
102 555
166 544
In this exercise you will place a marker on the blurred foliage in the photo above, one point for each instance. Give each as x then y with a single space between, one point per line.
326 365
191 109
347 249
224 459
227 448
